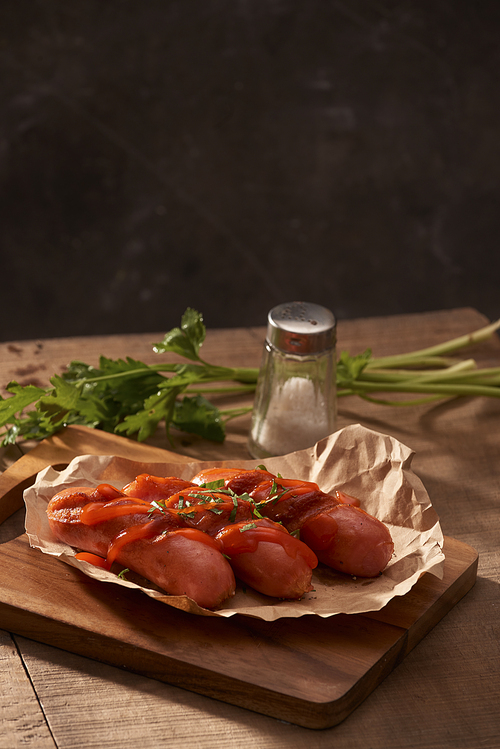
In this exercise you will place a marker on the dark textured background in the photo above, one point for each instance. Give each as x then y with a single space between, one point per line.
233 155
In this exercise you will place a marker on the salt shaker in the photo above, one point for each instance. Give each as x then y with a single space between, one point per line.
295 399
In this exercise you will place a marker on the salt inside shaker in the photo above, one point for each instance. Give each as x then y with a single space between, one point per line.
295 399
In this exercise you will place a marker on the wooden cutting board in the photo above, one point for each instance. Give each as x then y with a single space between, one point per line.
309 671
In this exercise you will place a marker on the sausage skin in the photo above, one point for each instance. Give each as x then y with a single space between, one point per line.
342 535
262 553
155 545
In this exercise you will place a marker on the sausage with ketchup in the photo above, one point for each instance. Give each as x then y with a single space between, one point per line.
262 552
109 526
342 535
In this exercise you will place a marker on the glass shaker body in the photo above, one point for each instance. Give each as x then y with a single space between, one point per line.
295 400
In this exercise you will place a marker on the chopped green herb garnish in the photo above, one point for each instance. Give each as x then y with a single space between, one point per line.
205 497
279 496
274 495
247 527
245 497
157 506
219 484
219 489
232 516
256 513
190 515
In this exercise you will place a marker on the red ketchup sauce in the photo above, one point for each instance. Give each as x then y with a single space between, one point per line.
99 512
108 492
86 556
285 489
150 530
196 497
242 538
209 509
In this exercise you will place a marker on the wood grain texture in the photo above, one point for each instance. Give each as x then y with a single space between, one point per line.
446 691
309 671
17 690
314 673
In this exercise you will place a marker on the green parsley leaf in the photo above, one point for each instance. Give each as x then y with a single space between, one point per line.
185 340
22 397
143 423
197 415
127 396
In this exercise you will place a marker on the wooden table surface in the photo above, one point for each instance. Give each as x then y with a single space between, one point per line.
446 692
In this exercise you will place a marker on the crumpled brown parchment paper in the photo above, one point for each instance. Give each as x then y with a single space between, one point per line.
365 464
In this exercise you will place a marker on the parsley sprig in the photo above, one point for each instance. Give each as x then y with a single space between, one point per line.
131 398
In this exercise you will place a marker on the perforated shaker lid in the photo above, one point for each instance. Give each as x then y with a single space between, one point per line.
301 328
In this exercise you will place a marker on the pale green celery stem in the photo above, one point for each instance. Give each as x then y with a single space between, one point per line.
238 374
447 347
399 375
399 403
233 413
408 361
473 379
489 377
486 376
412 386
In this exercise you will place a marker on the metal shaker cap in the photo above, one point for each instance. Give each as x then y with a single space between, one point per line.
301 328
